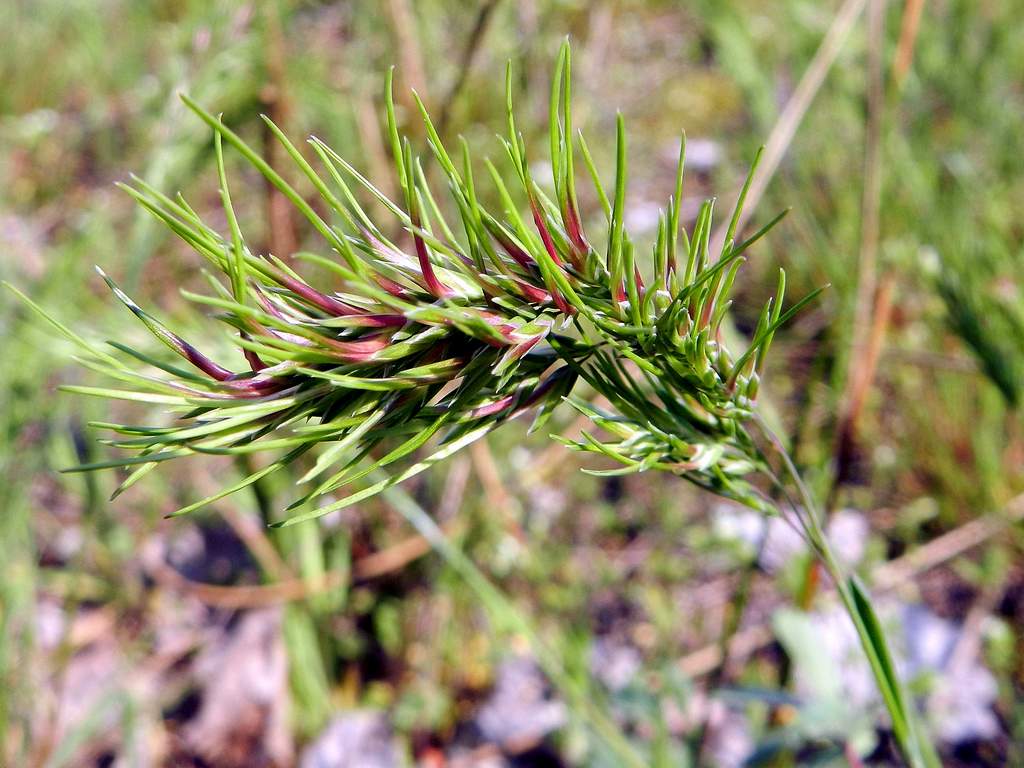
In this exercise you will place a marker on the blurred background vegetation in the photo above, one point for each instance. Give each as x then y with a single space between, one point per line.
133 640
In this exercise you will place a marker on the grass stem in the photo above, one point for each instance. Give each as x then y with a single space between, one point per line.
917 750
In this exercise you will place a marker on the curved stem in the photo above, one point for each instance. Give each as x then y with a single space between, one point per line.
916 748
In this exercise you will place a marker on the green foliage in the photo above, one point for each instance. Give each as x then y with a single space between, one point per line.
472 331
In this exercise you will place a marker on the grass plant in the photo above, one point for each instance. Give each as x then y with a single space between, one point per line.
428 340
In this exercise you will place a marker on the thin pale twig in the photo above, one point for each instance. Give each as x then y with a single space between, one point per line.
291 589
861 377
254 536
498 496
404 23
909 26
282 238
792 115
870 320
885 578
867 321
